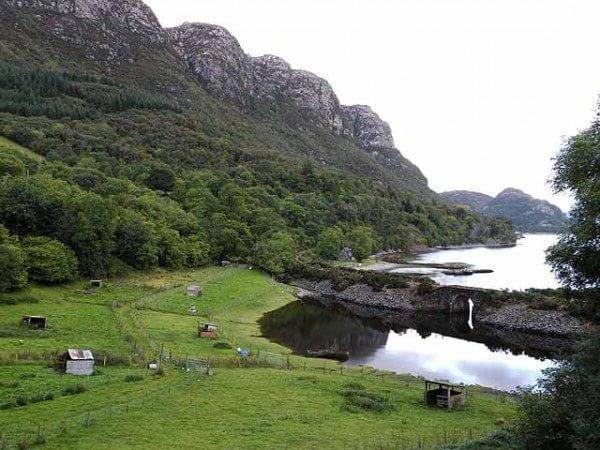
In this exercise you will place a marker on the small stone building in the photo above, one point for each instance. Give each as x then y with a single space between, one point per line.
78 362
193 291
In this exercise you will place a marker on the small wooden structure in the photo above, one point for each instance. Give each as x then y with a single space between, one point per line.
444 395
96 283
38 322
208 330
77 362
193 291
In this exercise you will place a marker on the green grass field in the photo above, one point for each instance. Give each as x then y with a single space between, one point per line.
304 406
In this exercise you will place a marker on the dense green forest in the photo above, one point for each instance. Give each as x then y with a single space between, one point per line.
125 178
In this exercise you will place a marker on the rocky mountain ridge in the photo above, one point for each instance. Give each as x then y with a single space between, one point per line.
214 58
527 213
220 64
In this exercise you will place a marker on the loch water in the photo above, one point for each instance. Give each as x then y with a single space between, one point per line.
433 346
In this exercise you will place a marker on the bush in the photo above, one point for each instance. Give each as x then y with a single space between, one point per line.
13 267
562 410
21 400
11 165
134 377
497 440
425 286
74 389
42 397
49 261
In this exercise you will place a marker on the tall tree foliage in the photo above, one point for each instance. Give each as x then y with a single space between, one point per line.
575 258
562 412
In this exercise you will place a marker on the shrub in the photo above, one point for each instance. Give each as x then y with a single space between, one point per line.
42 397
425 286
49 261
562 410
11 165
134 377
74 389
13 267
21 400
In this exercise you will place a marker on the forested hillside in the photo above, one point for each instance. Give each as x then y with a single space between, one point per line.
115 153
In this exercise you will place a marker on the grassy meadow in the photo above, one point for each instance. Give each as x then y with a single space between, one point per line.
275 400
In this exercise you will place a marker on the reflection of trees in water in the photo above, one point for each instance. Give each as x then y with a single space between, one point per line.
304 326
330 326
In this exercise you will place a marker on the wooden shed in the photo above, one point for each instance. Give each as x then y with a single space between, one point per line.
77 362
444 395
208 330
96 283
34 322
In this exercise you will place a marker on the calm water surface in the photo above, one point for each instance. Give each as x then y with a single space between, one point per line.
440 347
519 267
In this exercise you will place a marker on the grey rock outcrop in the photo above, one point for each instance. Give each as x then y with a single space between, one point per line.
216 59
133 14
224 69
220 64
364 125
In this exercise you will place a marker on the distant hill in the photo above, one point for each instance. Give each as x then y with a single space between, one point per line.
528 214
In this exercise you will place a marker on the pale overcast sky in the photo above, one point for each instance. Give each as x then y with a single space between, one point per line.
479 93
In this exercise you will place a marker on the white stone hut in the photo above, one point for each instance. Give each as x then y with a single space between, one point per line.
193 291
78 362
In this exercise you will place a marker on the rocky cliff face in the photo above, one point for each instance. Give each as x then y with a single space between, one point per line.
107 14
476 201
121 38
527 214
219 63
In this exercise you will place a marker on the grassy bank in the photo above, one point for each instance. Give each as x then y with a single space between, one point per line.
288 401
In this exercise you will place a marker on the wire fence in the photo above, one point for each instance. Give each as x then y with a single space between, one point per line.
28 434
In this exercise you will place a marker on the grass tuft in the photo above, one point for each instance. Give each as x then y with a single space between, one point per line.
134 377
74 389
358 399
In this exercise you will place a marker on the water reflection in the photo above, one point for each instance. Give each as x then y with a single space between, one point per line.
406 344
457 360
519 267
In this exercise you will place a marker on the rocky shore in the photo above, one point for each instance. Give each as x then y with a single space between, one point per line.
453 300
